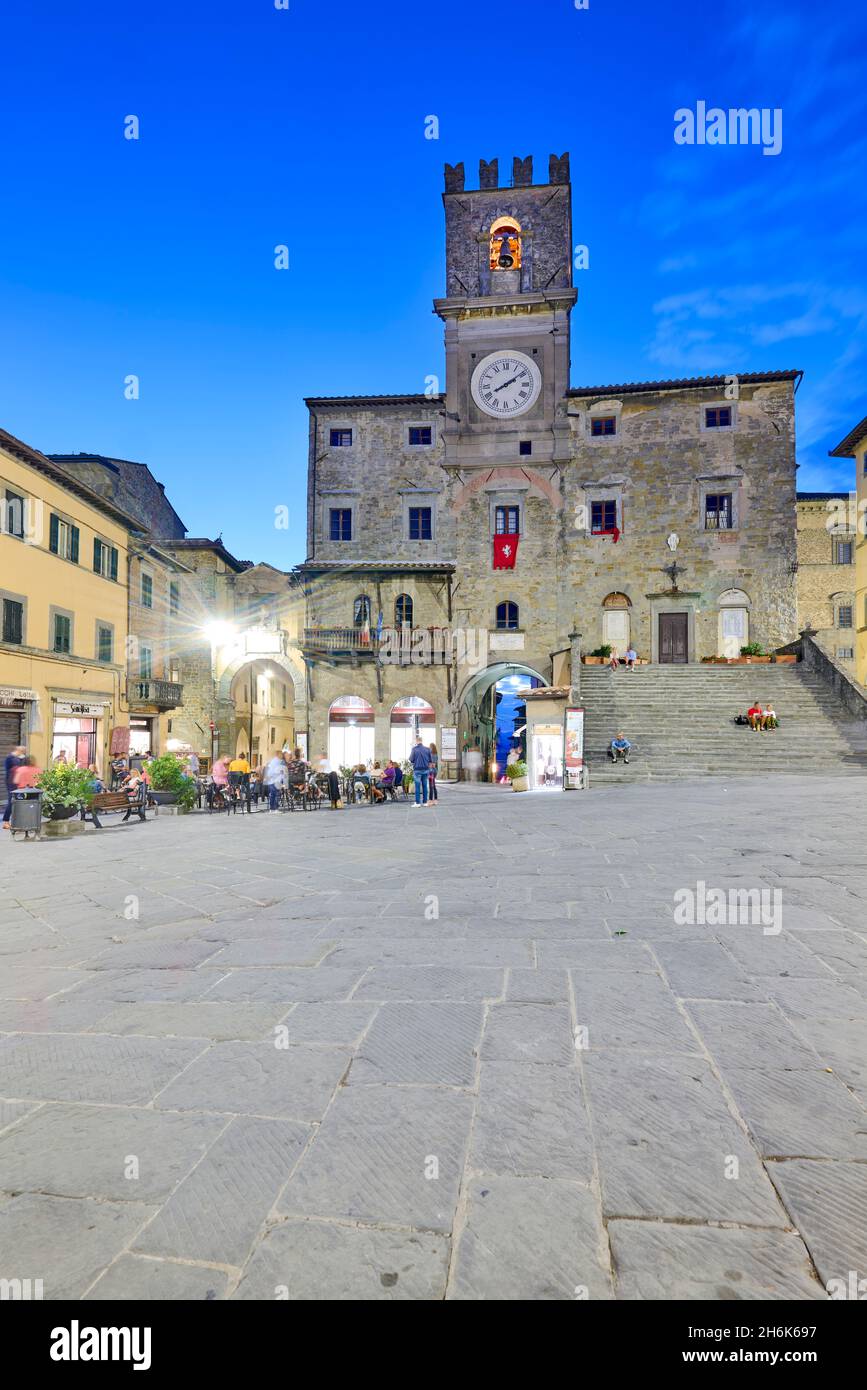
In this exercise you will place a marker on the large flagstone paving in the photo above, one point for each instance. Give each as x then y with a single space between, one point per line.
467 1052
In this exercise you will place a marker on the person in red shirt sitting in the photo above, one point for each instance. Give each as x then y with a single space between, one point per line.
755 716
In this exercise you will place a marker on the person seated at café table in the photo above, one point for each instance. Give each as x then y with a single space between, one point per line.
376 775
755 716
96 782
239 770
297 768
387 780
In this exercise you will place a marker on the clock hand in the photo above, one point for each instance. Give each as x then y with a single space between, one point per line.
506 383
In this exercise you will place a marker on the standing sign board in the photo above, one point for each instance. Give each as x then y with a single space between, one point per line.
574 760
449 750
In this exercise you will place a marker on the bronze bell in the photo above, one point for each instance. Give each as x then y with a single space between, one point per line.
505 260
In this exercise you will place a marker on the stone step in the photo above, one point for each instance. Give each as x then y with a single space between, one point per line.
679 719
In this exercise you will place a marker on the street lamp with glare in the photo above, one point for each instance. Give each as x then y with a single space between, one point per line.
218 632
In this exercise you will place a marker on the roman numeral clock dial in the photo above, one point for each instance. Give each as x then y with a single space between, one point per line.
505 384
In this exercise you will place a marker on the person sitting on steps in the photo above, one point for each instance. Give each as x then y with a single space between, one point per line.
755 714
620 747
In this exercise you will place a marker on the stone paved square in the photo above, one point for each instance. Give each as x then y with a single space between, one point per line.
326 1088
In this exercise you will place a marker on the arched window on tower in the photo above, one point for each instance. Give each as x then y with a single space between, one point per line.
361 610
506 244
507 616
403 610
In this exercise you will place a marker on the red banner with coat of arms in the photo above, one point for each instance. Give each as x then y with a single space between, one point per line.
505 552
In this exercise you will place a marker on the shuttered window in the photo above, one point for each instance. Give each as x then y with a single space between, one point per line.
63 538
62 633
13 621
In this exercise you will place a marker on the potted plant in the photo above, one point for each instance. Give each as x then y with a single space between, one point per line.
517 775
65 789
169 784
754 651
597 657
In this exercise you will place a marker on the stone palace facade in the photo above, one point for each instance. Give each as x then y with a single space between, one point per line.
504 523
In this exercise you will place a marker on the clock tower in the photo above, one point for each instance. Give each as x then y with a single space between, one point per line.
506 313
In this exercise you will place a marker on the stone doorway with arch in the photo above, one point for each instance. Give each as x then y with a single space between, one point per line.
734 622
351 731
485 700
411 715
261 697
616 622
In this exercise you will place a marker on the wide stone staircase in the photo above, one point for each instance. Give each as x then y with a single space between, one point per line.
679 721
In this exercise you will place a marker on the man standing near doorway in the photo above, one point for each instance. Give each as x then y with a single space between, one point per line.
420 760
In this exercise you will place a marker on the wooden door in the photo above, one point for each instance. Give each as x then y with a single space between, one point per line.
674 638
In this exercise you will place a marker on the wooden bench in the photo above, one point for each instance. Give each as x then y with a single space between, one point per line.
104 803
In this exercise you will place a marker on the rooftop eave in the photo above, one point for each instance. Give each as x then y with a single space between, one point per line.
692 383
847 448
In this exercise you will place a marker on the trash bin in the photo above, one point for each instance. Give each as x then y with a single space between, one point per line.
27 810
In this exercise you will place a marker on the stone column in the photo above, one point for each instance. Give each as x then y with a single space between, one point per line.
382 737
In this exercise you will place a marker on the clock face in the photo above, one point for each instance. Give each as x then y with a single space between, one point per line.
505 384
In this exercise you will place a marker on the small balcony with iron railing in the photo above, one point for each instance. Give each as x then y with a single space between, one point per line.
156 694
398 646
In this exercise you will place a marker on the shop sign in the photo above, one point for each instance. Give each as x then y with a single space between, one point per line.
14 695
81 711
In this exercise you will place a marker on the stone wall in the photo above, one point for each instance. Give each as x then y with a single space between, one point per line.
823 585
544 212
378 478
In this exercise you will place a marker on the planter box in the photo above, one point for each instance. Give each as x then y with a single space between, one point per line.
163 798
786 659
520 784
593 660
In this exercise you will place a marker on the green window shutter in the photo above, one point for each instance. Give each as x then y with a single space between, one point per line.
53 534
113 563
97 556
73 544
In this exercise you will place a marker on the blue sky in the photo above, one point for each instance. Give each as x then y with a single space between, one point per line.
306 127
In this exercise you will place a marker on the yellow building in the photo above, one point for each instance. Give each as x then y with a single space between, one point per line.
854 446
63 596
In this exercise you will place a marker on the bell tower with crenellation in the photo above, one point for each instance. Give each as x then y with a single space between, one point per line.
506 312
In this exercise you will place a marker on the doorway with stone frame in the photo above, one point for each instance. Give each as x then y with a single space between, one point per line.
673 639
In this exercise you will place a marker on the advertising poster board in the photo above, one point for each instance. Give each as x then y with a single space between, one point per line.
574 759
